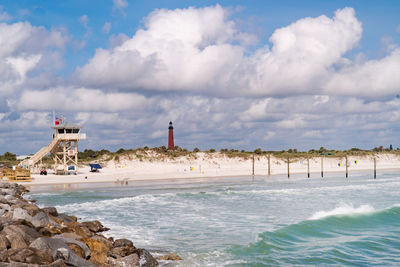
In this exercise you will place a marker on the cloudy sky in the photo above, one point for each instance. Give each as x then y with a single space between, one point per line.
235 74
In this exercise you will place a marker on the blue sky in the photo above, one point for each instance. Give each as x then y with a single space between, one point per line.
270 74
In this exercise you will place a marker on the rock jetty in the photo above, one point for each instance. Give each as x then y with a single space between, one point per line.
33 236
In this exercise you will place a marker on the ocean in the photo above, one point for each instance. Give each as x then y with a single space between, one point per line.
246 221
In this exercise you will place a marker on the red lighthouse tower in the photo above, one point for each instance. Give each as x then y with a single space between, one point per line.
171 136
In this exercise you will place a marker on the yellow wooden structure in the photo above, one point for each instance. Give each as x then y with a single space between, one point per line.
17 175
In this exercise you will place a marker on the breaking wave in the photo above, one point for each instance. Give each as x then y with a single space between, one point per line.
342 236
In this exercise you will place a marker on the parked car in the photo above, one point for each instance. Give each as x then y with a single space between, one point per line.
43 172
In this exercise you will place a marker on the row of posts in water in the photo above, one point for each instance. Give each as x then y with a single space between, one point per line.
308 167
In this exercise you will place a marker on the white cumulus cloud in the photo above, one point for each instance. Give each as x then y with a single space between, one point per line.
24 48
198 50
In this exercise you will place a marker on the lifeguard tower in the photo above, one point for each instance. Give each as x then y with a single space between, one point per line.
63 149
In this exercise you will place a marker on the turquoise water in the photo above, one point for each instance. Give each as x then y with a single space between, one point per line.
252 222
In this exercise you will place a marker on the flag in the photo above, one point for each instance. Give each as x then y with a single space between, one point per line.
58 121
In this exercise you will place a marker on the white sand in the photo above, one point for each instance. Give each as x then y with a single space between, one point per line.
210 165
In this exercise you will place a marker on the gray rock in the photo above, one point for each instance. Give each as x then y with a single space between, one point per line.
122 243
41 219
29 255
67 218
95 226
59 250
51 210
29 234
5 206
74 241
20 213
48 245
11 199
128 261
9 191
145 258
72 259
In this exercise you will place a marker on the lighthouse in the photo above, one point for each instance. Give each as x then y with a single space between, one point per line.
171 136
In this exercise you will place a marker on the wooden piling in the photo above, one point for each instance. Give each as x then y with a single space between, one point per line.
322 167
374 168
253 165
269 165
308 167
347 168
288 168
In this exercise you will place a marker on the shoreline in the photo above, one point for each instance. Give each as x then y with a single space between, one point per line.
76 186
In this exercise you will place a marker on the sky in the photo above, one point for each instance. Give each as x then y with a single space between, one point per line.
229 74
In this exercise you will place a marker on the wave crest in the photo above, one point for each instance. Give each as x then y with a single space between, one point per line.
343 210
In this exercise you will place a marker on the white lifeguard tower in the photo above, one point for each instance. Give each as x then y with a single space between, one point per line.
63 148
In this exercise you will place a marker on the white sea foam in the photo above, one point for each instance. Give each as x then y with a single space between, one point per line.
116 203
343 209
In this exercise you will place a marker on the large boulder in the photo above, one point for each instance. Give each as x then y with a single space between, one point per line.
119 252
83 246
121 248
51 211
19 236
122 243
98 250
48 245
9 191
101 238
128 261
59 249
145 258
50 231
31 209
67 218
20 213
94 226
78 250
17 241
28 234
71 258
74 227
29 255
41 219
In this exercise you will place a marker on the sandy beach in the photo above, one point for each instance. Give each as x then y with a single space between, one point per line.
204 166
